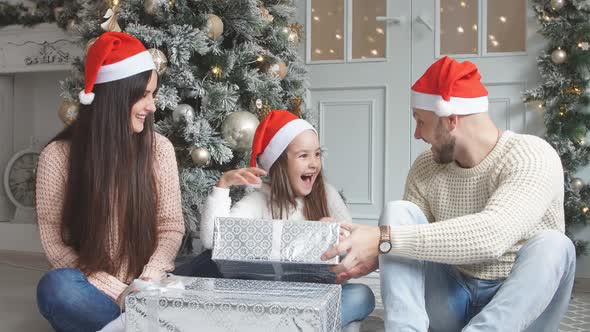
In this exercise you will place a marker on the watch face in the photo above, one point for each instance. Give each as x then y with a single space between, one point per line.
21 179
384 247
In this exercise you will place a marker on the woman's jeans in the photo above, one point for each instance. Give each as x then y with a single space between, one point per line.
70 303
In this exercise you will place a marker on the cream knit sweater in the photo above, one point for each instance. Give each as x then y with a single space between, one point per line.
480 217
51 186
255 205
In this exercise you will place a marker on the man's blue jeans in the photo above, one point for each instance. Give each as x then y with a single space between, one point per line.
419 295
70 303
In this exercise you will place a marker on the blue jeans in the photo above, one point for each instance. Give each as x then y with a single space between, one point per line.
419 295
70 303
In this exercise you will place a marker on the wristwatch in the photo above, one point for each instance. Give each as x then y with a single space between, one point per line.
385 240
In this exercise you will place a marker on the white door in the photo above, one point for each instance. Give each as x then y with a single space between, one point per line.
358 52
6 115
499 36
364 55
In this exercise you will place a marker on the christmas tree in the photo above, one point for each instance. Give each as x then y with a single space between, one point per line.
564 99
223 65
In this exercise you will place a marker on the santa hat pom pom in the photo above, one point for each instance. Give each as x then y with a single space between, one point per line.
443 108
86 98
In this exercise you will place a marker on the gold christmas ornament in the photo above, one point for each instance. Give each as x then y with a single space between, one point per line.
575 90
90 43
265 14
216 71
200 156
160 60
559 56
111 23
557 4
214 27
296 103
183 111
238 130
278 69
58 12
585 209
297 30
68 111
72 26
262 110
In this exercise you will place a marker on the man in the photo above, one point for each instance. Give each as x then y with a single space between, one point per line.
477 244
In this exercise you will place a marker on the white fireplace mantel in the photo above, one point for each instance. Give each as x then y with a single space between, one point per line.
44 47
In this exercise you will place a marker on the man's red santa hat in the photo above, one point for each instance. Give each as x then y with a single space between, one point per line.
114 56
273 135
449 87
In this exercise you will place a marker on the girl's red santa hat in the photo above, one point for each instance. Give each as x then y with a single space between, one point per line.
449 87
273 135
114 56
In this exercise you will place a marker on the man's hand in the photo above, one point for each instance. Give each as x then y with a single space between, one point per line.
358 271
361 250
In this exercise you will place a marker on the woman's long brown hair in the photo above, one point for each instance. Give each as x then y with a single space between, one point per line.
282 198
111 190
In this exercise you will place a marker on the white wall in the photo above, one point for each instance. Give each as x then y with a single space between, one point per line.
35 99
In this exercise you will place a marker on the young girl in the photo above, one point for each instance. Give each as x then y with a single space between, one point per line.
108 197
288 150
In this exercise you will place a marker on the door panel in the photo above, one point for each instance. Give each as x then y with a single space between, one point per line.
361 103
352 133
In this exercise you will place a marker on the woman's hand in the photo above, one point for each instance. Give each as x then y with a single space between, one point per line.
241 176
129 290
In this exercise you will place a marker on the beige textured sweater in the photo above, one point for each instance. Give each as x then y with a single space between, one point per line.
480 217
51 185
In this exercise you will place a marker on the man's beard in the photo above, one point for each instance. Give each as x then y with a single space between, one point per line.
443 154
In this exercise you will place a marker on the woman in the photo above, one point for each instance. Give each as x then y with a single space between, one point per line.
108 196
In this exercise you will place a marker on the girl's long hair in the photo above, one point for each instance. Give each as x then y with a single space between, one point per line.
111 193
282 198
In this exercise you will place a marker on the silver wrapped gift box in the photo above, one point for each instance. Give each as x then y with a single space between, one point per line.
274 249
227 305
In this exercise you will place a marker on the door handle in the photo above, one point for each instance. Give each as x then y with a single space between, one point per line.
391 19
424 22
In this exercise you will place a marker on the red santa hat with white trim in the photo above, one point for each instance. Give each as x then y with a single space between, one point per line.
449 87
273 135
114 56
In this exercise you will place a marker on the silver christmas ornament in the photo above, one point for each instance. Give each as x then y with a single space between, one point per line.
558 56
160 60
557 4
577 184
183 111
238 130
200 156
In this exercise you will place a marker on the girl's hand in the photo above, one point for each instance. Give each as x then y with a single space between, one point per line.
240 177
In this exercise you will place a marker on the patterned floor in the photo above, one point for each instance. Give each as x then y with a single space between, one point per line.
577 318
19 273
